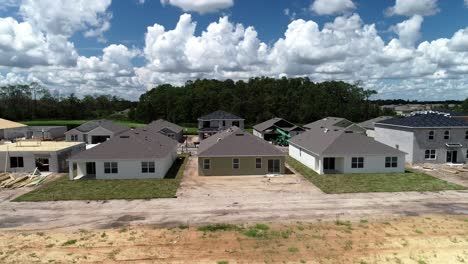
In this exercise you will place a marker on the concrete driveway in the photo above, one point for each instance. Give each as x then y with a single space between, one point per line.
241 199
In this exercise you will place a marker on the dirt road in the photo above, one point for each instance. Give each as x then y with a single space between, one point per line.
428 239
228 200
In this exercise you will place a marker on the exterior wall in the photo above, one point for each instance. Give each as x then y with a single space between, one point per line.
457 135
71 132
257 134
222 166
399 139
219 123
49 132
374 164
415 142
57 159
12 133
308 159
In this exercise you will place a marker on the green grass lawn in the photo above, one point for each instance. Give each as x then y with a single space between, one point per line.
384 182
63 189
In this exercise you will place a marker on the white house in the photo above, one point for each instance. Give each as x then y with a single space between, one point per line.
135 154
328 151
95 131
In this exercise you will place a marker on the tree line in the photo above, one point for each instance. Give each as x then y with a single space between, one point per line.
29 102
296 99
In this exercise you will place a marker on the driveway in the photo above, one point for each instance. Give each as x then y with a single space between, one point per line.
240 199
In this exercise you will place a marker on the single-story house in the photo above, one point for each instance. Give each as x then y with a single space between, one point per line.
236 152
95 131
336 123
47 156
167 128
328 151
269 130
11 130
135 154
369 125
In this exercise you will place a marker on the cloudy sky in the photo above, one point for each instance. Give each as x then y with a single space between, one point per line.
410 49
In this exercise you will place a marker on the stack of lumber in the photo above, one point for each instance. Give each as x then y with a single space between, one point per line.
20 180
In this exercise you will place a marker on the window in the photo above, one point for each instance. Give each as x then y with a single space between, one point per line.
74 137
16 162
235 163
447 134
467 153
258 163
147 167
111 168
466 134
430 154
357 162
430 135
206 164
391 162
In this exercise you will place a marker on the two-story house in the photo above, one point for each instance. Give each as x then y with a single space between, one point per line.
427 137
217 121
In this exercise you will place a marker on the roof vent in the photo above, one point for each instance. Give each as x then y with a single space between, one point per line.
326 130
239 134
218 140
124 137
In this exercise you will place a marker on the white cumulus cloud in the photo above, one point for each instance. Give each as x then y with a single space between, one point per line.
200 6
331 7
414 7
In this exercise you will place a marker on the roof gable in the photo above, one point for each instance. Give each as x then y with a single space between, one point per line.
427 119
163 125
276 121
107 124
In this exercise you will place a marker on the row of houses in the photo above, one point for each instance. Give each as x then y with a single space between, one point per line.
329 145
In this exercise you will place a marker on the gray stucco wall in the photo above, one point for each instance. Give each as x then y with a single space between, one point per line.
415 142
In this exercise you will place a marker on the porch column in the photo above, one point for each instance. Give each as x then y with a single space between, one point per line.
70 170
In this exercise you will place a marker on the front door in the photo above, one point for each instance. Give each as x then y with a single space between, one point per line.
328 163
274 166
90 168
452 156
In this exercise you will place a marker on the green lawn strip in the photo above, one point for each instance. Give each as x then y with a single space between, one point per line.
382 182
63 189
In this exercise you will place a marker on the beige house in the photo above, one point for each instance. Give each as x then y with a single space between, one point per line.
236 152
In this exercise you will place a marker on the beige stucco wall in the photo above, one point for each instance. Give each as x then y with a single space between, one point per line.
222 166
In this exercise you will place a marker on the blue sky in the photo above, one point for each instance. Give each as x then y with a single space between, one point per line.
410 49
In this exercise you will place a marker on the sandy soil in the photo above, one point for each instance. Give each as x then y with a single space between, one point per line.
428 239
246 199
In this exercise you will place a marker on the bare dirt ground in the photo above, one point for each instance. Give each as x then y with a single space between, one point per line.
460 178
246 199
428 239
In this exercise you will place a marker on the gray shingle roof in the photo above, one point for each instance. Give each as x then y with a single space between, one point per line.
220 114
161 125
235 142
274 122
338 142
107 124
370 124
335 123
136 144
422 120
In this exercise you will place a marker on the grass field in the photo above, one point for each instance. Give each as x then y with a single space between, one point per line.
63 189
384 182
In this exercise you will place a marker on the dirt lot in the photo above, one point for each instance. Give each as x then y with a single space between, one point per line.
227 200
428 239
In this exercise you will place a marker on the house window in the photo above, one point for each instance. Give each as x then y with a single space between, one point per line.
258 163
16 162
391 162
148 167
206 164
111 168
466 134
430 154
430 135
74 137
447 134
357 162
467 153
235 163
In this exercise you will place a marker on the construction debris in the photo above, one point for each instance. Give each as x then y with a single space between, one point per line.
19 180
